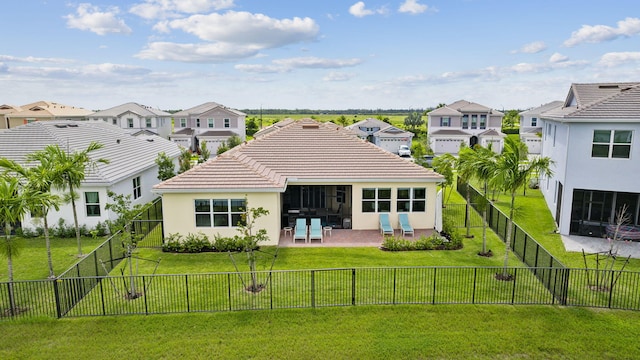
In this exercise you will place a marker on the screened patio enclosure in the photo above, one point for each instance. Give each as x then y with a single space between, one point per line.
592 211
330 203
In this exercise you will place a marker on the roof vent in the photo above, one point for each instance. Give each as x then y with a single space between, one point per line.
310 126
72 125
608 86
150 140
61 126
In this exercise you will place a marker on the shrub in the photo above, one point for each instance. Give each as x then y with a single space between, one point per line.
223 244
173 243
62 230
433 242
195 243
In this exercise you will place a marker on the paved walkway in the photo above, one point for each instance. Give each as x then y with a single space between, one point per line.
347 238
591 245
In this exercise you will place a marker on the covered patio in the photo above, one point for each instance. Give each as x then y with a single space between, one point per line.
347 238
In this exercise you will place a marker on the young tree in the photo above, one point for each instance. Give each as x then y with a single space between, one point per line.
39 179
204 152
510 119
69 172
342 120
184 160
250 238
413 121
166 167
484 165
466 169
511 174
444 165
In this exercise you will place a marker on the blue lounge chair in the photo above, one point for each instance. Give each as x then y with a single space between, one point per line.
403 218
300 231
385 225
315 231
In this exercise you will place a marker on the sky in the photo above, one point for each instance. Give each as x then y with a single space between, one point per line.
304 54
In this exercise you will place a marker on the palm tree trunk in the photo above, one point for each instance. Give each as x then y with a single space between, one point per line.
47 241
12 298
468 211
75 218
507 239
484 220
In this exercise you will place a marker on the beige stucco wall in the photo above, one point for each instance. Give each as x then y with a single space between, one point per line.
370 221
179 214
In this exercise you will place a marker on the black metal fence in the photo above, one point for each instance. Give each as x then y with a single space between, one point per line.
318 288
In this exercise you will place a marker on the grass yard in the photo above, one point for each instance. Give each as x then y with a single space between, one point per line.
31 263
367 332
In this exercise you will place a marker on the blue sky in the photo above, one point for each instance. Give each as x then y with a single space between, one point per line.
298 54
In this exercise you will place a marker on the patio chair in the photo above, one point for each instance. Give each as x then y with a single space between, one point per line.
385 225
315 231
405 226
300 231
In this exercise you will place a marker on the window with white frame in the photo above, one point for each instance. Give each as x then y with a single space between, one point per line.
465 121
137 189
183 123
611 144
483 121
376 200
474 121
412 200
197 123
445 121
147 122
227 123
219 212
534 122
92 203
130 123
115 121
210 122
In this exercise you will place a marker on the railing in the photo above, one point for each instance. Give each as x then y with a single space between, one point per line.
318 288
525 247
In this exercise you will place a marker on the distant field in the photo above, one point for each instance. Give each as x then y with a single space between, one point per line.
396 120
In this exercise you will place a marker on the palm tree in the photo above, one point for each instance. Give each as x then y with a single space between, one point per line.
15 201
69 172
38 178
484 165
512 172
466 170
444 165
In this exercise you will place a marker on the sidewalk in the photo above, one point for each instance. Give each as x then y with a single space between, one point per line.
593 245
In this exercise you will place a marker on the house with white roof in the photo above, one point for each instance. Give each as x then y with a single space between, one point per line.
531 126
131 169
40 111
209 122
136 119
303 169
594 141
382 134
464 122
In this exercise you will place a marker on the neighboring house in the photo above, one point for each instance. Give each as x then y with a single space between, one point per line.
273 127
382 134
594 140
6 109
209 122
44 111
531 127
304 169
131 170
136 119
464 122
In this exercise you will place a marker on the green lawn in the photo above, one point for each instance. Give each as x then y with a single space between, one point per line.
367 332
31 263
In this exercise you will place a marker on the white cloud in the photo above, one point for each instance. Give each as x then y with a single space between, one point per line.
600 33
557 57
247 28
412 7
161 9
338 76
290 64
196 53
619 58
359 10
531 48
105 72
91 18
32 59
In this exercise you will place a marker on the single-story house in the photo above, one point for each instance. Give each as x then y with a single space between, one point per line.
304 169
385 135
131 170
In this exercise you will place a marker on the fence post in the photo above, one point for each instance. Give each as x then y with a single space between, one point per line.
57 296
475 278
395 269
229 287
104 310
186 289
353 287
433 298
513 290
313 288
144 294
611 287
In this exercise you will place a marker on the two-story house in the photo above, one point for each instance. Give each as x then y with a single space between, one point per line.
209 122
382 134
41 111
136 118
464 122
594 141
531 126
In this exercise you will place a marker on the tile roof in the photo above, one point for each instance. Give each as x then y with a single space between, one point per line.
49 109
127 154
188 132
461 107
273 127
133 107
202 108
543 108
450 132
303 151
601 102
221 133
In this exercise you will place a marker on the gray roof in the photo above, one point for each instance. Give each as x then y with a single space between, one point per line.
463 107
450 132
186 132
543 108
392 131
202 108
126 153
219 133
492 132
132 107
600 101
